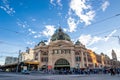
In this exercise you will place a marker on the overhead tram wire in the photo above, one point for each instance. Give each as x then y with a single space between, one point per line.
103 20
3 42
11 44
106 31
117 36
106 19
13 31
9 30
81 28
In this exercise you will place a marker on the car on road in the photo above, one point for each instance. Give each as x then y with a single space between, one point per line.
25 72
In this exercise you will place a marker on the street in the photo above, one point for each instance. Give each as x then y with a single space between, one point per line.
36 76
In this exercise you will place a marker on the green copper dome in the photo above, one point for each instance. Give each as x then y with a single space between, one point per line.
60 35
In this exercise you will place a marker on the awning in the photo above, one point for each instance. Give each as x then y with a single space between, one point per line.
31 62
9 65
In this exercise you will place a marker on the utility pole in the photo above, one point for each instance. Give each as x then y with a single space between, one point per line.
18 62
118 38
115 37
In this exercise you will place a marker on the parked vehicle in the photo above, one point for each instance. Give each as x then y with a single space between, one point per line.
25 72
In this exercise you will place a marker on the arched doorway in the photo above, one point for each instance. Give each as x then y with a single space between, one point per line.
62 64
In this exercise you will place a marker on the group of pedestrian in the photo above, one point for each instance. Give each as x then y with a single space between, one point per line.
114 71
111 71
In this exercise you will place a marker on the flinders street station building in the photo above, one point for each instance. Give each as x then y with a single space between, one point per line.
62 53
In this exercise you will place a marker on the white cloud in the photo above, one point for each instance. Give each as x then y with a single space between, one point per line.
72 24
31 31
82 10
105 5
30 42
59 2
51 1
59 14
50 29
64 29
107 37
85 39
48 41
22 24
38 35
33 19
54 2
89 40
6 7
94 49
95 39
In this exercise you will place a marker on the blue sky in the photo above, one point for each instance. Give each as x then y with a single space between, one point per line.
24 23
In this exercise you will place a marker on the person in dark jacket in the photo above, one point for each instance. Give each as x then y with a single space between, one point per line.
112 71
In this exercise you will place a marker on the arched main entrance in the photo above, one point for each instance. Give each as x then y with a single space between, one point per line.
61 64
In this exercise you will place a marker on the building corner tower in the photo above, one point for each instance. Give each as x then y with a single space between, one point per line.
114 57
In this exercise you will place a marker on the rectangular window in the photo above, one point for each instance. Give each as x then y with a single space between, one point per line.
56 51
77 53
89 59
45 53
44 59
84 58
53 51
68 51
77 58
59 51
